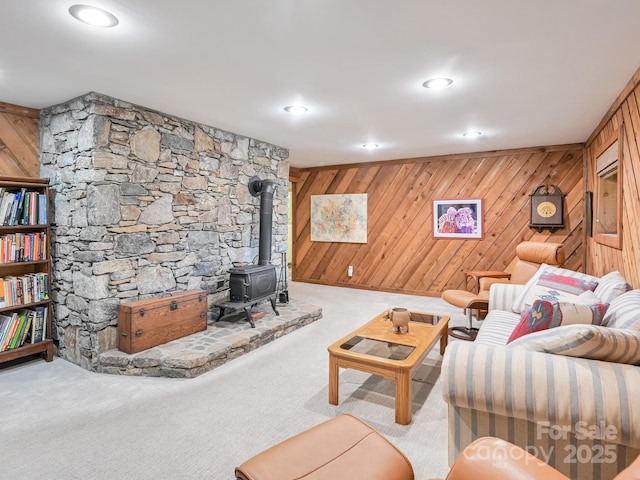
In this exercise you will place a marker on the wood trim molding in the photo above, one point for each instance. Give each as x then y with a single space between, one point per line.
18 110
294 174
585 187
443 158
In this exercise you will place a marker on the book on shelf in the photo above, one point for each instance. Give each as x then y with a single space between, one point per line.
23 247
22 207
39 324
14 208
6 213
19 291
42 209
30 208
33 208
30 315
4 205
37 240
6 322
13 326
7 293
24 213
25 289
27 254
16 252
27 324
17 335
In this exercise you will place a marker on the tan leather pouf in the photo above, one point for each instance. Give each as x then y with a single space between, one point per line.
341 448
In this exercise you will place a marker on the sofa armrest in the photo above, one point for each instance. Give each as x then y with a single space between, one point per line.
559 393
501 295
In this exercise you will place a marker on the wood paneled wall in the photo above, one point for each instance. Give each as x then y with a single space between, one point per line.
19 141
401 254
625 111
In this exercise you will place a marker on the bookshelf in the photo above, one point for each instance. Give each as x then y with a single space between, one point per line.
25 263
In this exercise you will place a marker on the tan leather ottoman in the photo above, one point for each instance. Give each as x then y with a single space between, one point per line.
341 448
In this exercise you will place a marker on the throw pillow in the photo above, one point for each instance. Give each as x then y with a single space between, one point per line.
546 314
624 311
593 342
587 298
611 286
561 288
519 302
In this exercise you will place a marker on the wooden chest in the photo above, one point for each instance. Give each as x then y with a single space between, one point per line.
143 324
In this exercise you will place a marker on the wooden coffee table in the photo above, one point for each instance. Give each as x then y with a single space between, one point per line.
375 349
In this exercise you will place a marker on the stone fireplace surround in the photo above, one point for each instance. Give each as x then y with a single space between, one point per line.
145 203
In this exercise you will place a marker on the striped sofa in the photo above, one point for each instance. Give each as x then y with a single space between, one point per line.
569 395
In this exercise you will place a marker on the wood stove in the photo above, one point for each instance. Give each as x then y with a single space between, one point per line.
251 284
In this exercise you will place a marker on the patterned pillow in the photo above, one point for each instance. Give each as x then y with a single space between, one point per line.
551 286
587 298
519 303
624 311
546 314
611 286
586 341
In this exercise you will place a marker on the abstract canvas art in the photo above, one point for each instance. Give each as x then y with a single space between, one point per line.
339 218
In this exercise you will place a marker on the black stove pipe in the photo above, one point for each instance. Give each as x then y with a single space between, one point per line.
264 188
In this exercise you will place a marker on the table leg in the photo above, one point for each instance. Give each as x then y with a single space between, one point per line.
403 397
334 372
444 340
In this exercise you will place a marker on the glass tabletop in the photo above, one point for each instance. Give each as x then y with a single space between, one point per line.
425 318
377 348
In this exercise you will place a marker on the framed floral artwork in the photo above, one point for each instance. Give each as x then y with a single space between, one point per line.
458 218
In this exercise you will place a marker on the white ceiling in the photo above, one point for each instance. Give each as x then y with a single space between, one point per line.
526 72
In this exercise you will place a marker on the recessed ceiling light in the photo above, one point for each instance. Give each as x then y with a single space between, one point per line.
437 83
472 134
93 16
370 146
296 109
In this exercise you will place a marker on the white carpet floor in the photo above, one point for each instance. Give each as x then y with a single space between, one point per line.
62 422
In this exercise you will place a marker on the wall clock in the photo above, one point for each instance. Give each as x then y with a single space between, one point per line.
547 208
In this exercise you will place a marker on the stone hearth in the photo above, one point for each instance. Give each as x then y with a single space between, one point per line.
223 341
146 203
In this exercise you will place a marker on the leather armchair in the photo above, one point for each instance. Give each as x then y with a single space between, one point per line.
530 255
495 459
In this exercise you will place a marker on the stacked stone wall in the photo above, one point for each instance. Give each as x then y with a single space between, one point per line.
145 203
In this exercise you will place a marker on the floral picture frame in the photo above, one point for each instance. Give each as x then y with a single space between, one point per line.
458 218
